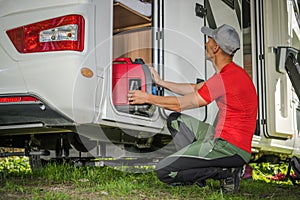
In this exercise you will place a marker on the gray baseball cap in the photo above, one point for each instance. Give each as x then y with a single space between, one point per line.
225 36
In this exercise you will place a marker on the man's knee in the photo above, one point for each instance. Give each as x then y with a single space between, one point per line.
164 175
161 174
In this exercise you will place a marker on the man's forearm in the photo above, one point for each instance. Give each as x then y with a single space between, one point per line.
166 102
178 104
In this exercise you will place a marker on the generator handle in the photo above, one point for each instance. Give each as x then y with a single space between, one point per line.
126 60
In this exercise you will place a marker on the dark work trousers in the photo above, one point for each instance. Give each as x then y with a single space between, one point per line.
179 169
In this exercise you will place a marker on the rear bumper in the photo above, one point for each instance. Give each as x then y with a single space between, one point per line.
35 117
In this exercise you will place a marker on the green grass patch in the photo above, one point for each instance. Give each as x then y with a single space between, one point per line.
64 181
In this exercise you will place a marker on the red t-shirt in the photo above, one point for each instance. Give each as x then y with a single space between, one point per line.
235 95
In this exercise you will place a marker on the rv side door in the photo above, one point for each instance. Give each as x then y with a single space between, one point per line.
184 49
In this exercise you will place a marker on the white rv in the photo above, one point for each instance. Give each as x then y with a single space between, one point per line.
66 67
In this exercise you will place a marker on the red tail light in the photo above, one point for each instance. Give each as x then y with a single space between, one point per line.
58 34
19 99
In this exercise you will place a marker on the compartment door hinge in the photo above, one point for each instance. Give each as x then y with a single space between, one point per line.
261 57
159 35
263 121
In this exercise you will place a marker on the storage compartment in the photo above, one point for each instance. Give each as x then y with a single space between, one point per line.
132 23
131 14
128 75
134 44
132 29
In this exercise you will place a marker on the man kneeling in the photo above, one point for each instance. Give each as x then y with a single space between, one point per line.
203 151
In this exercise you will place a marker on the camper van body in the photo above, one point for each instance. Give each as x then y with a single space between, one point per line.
57 72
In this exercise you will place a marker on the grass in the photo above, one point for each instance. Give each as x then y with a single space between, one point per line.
64 181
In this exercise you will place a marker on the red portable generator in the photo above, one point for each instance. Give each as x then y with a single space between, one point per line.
128 75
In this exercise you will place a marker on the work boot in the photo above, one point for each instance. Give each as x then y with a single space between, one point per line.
231 183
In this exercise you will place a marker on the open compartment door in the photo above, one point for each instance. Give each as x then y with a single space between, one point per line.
283 82
184 49
293 69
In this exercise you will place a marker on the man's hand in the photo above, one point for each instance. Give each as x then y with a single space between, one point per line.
155 76
137 97
178 104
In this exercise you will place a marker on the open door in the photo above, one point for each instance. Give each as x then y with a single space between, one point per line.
183 45
283 83
293 69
